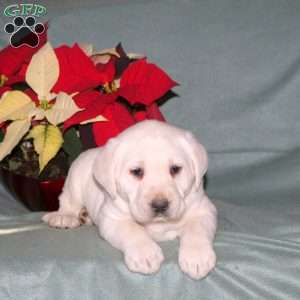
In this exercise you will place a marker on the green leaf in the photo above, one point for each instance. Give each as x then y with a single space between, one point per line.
72 144
1 136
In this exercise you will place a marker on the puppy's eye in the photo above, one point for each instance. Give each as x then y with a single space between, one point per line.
174 170
137 172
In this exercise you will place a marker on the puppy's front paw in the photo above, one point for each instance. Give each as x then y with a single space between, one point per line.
59 220
144 257
197 262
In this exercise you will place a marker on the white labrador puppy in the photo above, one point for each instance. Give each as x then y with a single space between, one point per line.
143 186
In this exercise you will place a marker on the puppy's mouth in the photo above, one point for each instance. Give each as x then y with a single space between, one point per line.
166 217
158 218
154 218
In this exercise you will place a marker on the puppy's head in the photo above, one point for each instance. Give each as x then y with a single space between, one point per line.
152 167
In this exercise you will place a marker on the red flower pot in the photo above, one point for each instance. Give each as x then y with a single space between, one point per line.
34 194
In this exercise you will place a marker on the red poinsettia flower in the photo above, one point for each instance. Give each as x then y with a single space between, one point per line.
117 115
94 103
12 60
151 112
141 83
144 83
119 118
77 72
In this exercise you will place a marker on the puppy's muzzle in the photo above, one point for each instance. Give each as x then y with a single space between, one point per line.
159 206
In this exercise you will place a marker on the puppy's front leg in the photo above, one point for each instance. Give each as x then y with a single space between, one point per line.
141 253
196 254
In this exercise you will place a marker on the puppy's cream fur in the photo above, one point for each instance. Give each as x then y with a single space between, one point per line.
120 204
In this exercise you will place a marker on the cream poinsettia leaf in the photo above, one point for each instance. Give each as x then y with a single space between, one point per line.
37 113
86 48
15 105
62 110
117 83
50 96
103 56
43 71
14 133
100 59
135 55
107 51
93 120
47 140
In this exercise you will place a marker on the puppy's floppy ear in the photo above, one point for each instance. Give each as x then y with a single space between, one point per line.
104 168
198 156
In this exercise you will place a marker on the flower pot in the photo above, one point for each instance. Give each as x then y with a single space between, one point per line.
36 195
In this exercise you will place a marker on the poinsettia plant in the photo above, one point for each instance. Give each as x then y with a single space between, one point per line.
57 102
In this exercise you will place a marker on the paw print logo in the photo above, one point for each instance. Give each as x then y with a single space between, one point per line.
24 31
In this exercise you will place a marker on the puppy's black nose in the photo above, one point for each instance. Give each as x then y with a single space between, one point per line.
159 206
